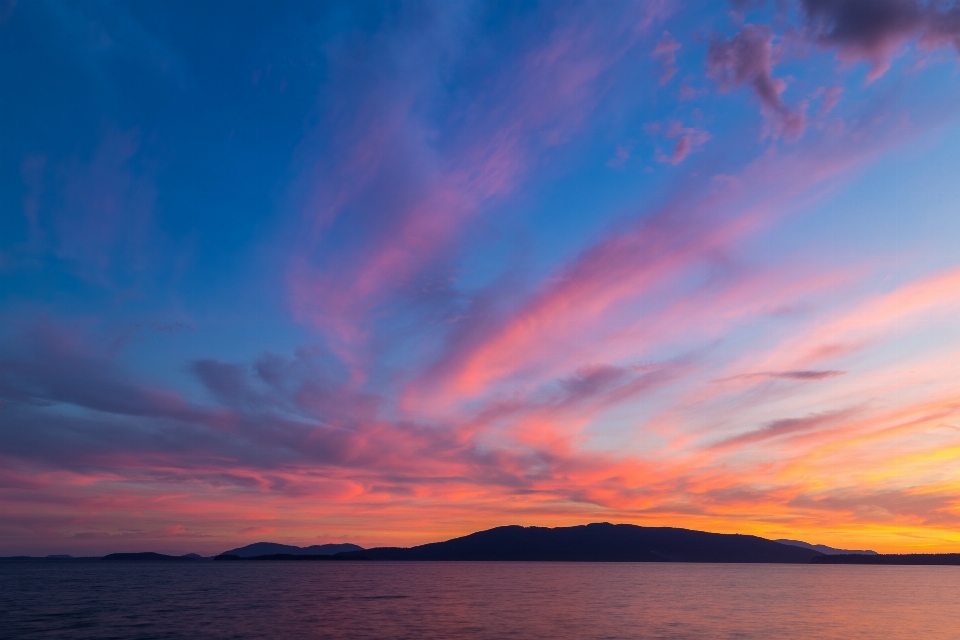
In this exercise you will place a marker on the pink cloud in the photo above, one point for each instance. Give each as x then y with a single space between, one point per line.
667 49
540 104
590 297
748 58
831 98
256 531
785 427
688 140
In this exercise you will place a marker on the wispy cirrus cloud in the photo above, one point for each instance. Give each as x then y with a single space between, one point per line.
784 427
457 308
524 112
803 374
592 296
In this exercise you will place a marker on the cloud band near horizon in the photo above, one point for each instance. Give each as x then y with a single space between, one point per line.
389 274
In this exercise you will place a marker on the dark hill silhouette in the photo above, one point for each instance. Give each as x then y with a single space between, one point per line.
891 558
824 549
598 542
273 548
149 556
307 557
60 557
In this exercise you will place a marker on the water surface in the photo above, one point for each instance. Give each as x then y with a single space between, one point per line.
449 600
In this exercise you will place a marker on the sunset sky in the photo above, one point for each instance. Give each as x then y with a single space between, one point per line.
389 273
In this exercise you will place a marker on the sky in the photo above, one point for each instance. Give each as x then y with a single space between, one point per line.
389 273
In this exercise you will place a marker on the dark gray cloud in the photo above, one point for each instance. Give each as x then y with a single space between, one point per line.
873 30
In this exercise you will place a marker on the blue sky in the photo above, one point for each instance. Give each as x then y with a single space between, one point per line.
386 272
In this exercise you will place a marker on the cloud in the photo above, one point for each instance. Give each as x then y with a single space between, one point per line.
931 509
505 425
256 531
943 26
667 49
808 374
245 441
227 382
218 468
784 427
874 30
748 59
50 367
620 157
409 193
831 98
614 284
578 389
688 140
871 321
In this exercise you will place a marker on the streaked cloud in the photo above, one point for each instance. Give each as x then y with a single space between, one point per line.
378 278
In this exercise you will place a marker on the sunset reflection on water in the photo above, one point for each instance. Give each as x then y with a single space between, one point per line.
480 600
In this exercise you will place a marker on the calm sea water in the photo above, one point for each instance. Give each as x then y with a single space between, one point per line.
449 600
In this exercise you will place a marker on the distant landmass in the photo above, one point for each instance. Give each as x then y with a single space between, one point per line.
60 557
891 558
293 556
149 556
272 548
824 549
599 542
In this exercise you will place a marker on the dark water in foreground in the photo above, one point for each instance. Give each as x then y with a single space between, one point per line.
478 600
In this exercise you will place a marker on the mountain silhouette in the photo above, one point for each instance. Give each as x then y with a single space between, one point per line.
891 558
598 542
273 548
824 549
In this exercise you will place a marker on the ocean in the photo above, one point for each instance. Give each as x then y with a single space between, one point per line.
450 600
